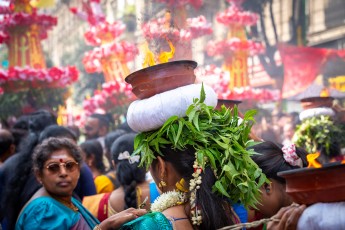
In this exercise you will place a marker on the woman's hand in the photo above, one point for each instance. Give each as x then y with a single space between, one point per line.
288 218
117 220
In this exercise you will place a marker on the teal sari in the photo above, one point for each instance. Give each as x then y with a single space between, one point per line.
47 213
150 221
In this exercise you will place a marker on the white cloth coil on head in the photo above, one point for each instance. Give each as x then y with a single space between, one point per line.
315 112
151 113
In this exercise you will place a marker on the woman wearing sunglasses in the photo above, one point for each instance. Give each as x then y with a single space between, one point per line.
57 167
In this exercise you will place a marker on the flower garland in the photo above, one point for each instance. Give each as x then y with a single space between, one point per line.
194 185
167 200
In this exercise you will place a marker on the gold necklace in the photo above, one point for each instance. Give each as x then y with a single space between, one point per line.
68 204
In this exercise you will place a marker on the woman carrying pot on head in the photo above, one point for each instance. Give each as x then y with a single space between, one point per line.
56 164
273 158
197 156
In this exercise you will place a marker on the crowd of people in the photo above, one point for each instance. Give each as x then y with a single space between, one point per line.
167 178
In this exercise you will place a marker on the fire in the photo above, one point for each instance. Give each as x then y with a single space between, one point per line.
149 59
324 92
311 158
163 56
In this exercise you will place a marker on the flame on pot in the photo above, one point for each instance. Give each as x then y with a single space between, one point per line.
312 160
163 56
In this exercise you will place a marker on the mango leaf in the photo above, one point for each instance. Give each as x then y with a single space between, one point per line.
221 189
202 94
249 114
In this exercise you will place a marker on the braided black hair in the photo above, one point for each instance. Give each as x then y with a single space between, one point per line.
128 174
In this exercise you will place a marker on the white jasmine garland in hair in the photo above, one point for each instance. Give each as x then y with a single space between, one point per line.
167 200
194 185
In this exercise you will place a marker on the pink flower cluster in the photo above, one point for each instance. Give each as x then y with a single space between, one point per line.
45 22
6 9
219 81
235 15
3 37
96 33
92 59
112 95
1 91
195 3
248 93
227 47
60 77
196 27
199 26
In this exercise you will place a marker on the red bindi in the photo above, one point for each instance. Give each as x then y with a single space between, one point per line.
61 160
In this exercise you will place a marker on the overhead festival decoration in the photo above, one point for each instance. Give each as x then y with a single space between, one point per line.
110 54
218 79
302 65
235 49
22 28
175 31
113 98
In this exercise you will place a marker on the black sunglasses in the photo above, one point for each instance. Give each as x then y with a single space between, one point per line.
55 167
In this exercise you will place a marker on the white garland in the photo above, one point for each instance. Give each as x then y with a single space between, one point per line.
315 112
167 200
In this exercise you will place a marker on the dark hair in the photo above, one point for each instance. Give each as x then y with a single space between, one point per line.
124 126
16 196
94 148
129 175
102 118
6 140
111 137
56 131
216 210
270 159
43 151
40 119
20 129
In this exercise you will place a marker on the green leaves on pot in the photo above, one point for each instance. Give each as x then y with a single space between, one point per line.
317 132
220 139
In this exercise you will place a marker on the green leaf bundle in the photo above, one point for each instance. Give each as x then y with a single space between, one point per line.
220 139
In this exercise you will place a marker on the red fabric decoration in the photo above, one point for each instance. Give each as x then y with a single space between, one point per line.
301 67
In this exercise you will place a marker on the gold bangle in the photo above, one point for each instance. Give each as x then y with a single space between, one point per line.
97 227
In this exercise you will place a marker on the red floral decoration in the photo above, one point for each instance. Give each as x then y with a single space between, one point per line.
115 95
103 31
235 15
226 47
3 37
196 27
195 3
124 49
219 81
54 77
45 22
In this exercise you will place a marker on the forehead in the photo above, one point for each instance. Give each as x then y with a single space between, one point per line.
91 121
62 154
